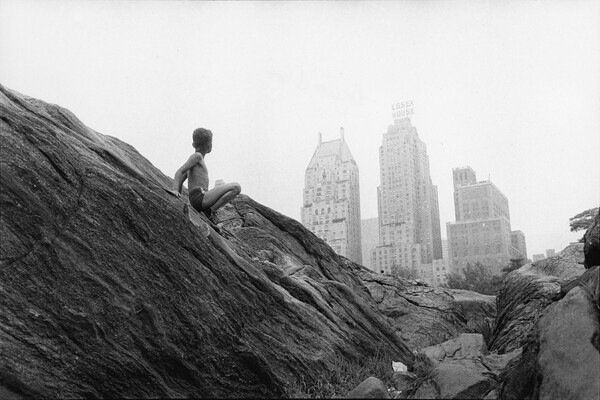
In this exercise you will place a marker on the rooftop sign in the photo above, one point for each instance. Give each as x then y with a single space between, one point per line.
403 109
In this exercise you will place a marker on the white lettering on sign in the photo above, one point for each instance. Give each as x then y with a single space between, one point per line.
403 109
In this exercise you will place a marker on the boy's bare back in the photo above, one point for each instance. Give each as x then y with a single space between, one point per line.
198 173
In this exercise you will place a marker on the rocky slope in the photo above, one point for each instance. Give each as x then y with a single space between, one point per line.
110 289
549 310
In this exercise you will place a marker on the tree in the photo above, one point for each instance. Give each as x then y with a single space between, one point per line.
583 220
408 273
515 263
477 278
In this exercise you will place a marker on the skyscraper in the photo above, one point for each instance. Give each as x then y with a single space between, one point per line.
518 243
331 200
482 231
409 226
369 233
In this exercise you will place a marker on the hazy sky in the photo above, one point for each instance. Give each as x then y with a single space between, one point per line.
510 88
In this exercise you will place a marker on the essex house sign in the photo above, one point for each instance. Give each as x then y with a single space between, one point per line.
402 109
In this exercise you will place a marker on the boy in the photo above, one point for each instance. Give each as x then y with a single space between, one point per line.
194 169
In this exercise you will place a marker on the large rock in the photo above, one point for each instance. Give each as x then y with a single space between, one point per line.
526 292
370 388
423 316
108 290
569 363
462 368
591 243
559 336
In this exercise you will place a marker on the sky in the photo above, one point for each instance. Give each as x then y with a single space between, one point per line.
510 88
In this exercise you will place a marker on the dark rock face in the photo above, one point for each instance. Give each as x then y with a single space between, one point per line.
591 243
108 290
529 290
558 336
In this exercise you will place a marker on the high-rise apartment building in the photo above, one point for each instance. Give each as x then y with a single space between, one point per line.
517 239
482 231
331 200
369 233
409 225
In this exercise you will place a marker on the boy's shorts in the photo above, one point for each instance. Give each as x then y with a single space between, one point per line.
196 197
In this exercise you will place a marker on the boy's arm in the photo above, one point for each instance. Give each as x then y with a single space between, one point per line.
182 173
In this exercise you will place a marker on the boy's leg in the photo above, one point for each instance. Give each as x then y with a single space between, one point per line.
220 195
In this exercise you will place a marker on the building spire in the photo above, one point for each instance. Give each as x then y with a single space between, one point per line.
320 138
342 133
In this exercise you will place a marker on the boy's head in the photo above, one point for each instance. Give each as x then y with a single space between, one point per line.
202 140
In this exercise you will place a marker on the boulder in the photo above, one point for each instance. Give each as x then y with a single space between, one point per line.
427 390
526 292
569 363
422 315
370 388
109 290
459 381
402 381
591 243
467 345
558 336
462 367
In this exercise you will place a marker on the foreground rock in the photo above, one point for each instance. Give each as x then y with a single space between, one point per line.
108 290
370 388
559 336
462 368
423 316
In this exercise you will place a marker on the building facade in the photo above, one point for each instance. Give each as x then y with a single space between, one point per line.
409 226
482 231
331 198
517 239
369 233
434 274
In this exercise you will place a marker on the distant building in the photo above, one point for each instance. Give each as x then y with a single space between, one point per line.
409 226
482 231
331 199
434 274
369 233
519 246
550 253
445 249
538 257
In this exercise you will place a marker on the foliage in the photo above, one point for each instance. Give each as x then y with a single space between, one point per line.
344 375
515 263
407 273
477 278
583 220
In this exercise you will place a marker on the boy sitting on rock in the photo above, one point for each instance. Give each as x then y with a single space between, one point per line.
194 169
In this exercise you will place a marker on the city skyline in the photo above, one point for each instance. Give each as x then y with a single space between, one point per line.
514 100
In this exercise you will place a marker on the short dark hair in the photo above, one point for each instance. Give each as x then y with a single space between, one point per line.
201 137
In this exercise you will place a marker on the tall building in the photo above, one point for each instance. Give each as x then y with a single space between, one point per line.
369 233
517 239
445 249
331 200
482 231
409 225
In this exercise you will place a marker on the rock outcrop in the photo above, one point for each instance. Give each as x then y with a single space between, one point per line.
423 316
558 335
108 290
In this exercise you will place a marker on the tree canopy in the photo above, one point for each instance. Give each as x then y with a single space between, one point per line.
583 220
